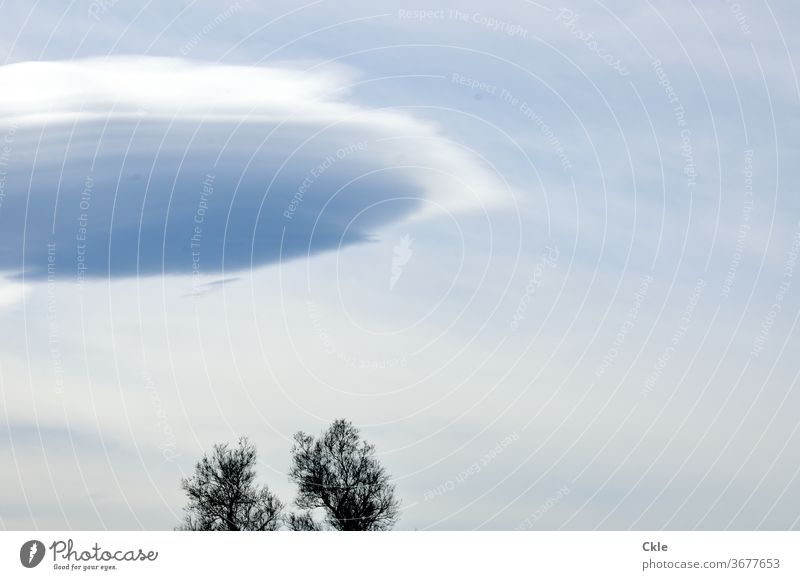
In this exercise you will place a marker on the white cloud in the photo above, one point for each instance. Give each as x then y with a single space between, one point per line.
11 294
171 89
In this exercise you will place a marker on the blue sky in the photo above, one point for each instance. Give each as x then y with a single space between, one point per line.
544 254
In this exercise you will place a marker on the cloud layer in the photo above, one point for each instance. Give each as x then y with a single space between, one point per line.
137 166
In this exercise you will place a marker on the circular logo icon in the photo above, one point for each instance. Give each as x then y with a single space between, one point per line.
31 553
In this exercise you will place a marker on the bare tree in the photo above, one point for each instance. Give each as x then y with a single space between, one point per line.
223 493
338 473
302 522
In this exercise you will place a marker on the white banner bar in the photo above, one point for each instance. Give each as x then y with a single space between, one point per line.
419 555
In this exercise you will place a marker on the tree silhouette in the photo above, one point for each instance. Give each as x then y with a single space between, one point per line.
302 522
339 474
223 493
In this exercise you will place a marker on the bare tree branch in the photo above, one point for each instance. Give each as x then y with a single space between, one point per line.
339 474
223 494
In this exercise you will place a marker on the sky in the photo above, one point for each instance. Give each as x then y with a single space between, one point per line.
544 255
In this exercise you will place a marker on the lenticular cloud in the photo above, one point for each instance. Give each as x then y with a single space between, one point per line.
139 166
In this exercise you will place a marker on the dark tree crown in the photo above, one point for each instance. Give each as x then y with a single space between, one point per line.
339 474
223 493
